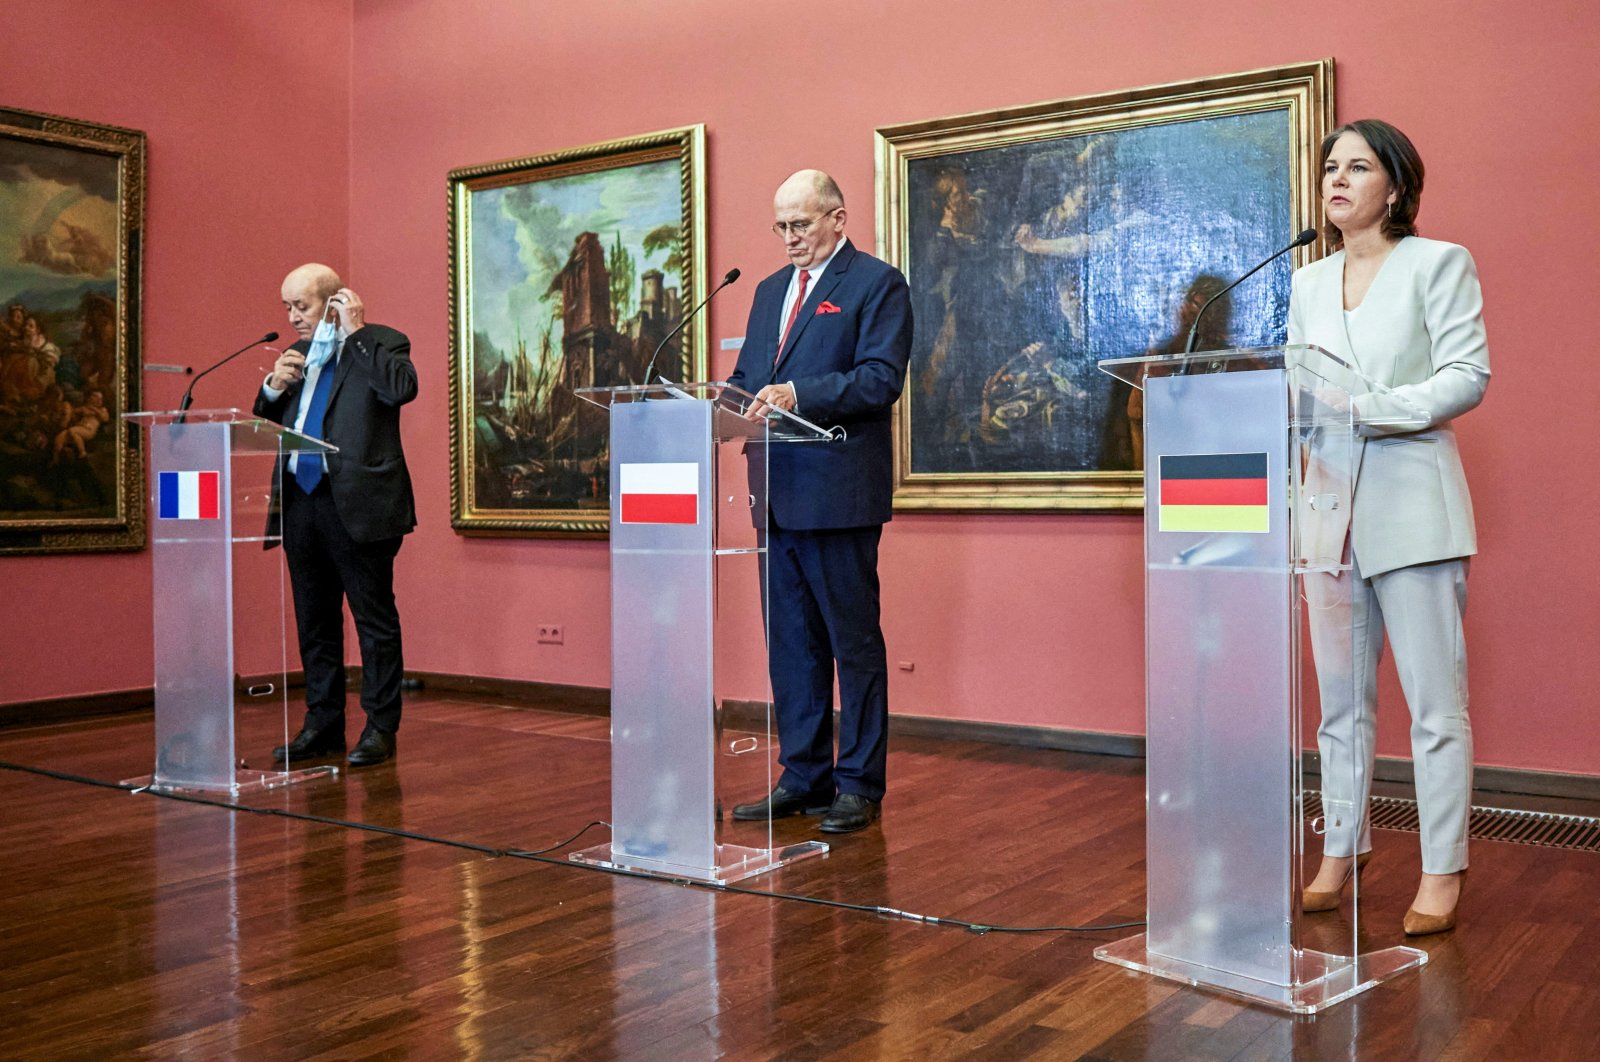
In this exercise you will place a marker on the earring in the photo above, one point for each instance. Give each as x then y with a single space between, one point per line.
1391 210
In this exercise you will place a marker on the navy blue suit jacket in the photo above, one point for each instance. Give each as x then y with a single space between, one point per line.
847 367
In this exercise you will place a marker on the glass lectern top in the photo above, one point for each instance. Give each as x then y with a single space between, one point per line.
1325 380
731 405
1138 370
248 432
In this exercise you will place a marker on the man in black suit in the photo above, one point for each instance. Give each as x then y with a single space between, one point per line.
344 516
829 336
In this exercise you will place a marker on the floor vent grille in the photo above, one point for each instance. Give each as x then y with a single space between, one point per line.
1579 833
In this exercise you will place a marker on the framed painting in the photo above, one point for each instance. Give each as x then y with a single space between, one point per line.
1041 239
567 270
71 235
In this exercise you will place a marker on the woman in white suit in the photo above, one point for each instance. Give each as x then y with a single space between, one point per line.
1408 313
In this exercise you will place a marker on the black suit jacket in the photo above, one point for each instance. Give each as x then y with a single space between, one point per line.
368 476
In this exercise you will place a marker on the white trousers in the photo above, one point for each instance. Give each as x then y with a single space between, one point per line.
1422 608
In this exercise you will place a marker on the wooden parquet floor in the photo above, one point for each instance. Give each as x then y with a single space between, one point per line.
139 927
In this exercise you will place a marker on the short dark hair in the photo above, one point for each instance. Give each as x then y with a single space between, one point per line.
1399 159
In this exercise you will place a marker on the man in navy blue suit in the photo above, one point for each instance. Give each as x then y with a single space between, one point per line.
829 337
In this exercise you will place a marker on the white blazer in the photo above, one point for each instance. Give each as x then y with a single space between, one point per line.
1420 332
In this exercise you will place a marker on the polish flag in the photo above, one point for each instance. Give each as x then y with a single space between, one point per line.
189 496
661 493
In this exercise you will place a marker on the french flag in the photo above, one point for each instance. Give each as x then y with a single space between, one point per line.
189 496
661 493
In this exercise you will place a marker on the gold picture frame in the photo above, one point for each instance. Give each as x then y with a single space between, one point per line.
562 270
1040 239
72 220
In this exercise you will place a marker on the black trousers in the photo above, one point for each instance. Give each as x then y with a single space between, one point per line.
326 568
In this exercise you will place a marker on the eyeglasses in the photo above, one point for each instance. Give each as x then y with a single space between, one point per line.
799 228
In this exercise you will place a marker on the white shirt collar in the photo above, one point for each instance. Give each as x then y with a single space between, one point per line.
816 269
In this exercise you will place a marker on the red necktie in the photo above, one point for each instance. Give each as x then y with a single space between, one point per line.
794 314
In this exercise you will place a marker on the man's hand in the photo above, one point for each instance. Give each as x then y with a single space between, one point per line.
351 310
773 396
290 368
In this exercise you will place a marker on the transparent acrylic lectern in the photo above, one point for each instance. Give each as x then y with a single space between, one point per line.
688 499
1249 465
216 591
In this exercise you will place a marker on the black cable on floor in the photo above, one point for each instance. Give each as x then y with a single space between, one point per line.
541 855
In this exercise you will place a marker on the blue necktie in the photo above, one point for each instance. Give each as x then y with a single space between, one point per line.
308 468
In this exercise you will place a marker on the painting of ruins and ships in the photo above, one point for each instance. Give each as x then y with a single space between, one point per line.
567 271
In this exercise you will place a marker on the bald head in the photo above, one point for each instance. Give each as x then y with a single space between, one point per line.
313 278
305 295
812 188
809 210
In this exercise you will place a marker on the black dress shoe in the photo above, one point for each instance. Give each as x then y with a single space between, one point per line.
311 745
780 804
851 812
374 747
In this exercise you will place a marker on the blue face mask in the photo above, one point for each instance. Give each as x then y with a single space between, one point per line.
324 341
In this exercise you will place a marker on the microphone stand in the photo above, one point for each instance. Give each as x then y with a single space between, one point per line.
1305 237
188 394
733 274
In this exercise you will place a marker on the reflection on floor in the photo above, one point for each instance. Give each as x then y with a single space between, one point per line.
136 923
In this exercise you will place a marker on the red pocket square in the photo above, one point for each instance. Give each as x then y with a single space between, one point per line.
827 307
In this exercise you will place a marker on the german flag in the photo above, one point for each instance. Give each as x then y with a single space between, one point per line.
1213 492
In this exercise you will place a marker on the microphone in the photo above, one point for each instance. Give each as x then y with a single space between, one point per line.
188 396
1307 236
733 274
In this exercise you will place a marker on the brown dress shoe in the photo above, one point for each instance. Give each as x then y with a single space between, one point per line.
1314 900
1417 924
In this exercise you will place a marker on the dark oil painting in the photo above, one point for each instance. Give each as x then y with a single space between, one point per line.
1031 262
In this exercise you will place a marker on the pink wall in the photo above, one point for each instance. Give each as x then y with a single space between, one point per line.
1034 619
247 108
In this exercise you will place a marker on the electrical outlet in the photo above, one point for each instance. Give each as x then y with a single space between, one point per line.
551 634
